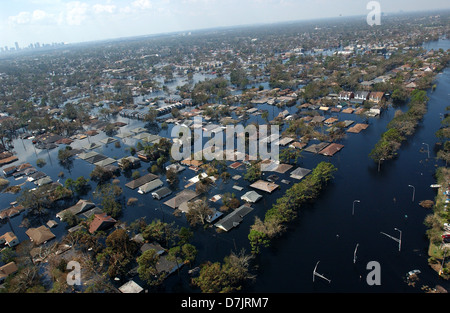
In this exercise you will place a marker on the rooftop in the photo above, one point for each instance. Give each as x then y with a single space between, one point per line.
264 186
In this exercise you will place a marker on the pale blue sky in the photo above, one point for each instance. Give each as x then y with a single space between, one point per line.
46 21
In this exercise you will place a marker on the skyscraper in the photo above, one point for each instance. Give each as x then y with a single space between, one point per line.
17 45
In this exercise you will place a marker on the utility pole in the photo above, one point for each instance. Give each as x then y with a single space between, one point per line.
399 240
353 209
354 253
414 191
319 275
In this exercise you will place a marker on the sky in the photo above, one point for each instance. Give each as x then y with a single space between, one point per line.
68 21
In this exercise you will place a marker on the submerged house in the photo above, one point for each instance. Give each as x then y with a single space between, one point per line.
9 239
101 222
251 196
234 218
7 269
135 162
161 193
40 235
264 186
80 207
150 186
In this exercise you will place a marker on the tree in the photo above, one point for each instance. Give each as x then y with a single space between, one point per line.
257 240
189 252
161 232
225 277
119 252
36 200
238 77
65 155
100 175
108 194
151 116
203 185
184 235
172 176
198 212
290 155
147 268
81 185
399 96
253 172
213 279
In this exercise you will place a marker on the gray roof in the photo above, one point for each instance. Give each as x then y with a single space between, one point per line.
161 193
251 196
92 145
80 207
131 287
43 181
141 181
234 218
300 172
150 186
105 162
108 140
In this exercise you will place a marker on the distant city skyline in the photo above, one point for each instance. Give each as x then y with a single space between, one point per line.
27 22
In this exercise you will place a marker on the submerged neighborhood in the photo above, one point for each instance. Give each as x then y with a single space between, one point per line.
88 173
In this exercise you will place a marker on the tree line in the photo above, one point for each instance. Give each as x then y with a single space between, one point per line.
262 232
402 125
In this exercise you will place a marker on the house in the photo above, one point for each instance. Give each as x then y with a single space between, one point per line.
101 222
213 216
182 197
40 235
8 160
9 239
300 172
155 246
264 186
361 95
43 181
251 196
7 270
177 167
96 158
375 110
376 96
131 287
411 85
105 162
9 170
161 193
80 207
367 84
234 218
11 212
141 181
150 186
346 95
135 162
331 149
108 140
92 146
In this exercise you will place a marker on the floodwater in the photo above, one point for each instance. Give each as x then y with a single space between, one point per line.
326 231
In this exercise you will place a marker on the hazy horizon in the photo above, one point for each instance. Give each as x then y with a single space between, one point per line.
47 21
